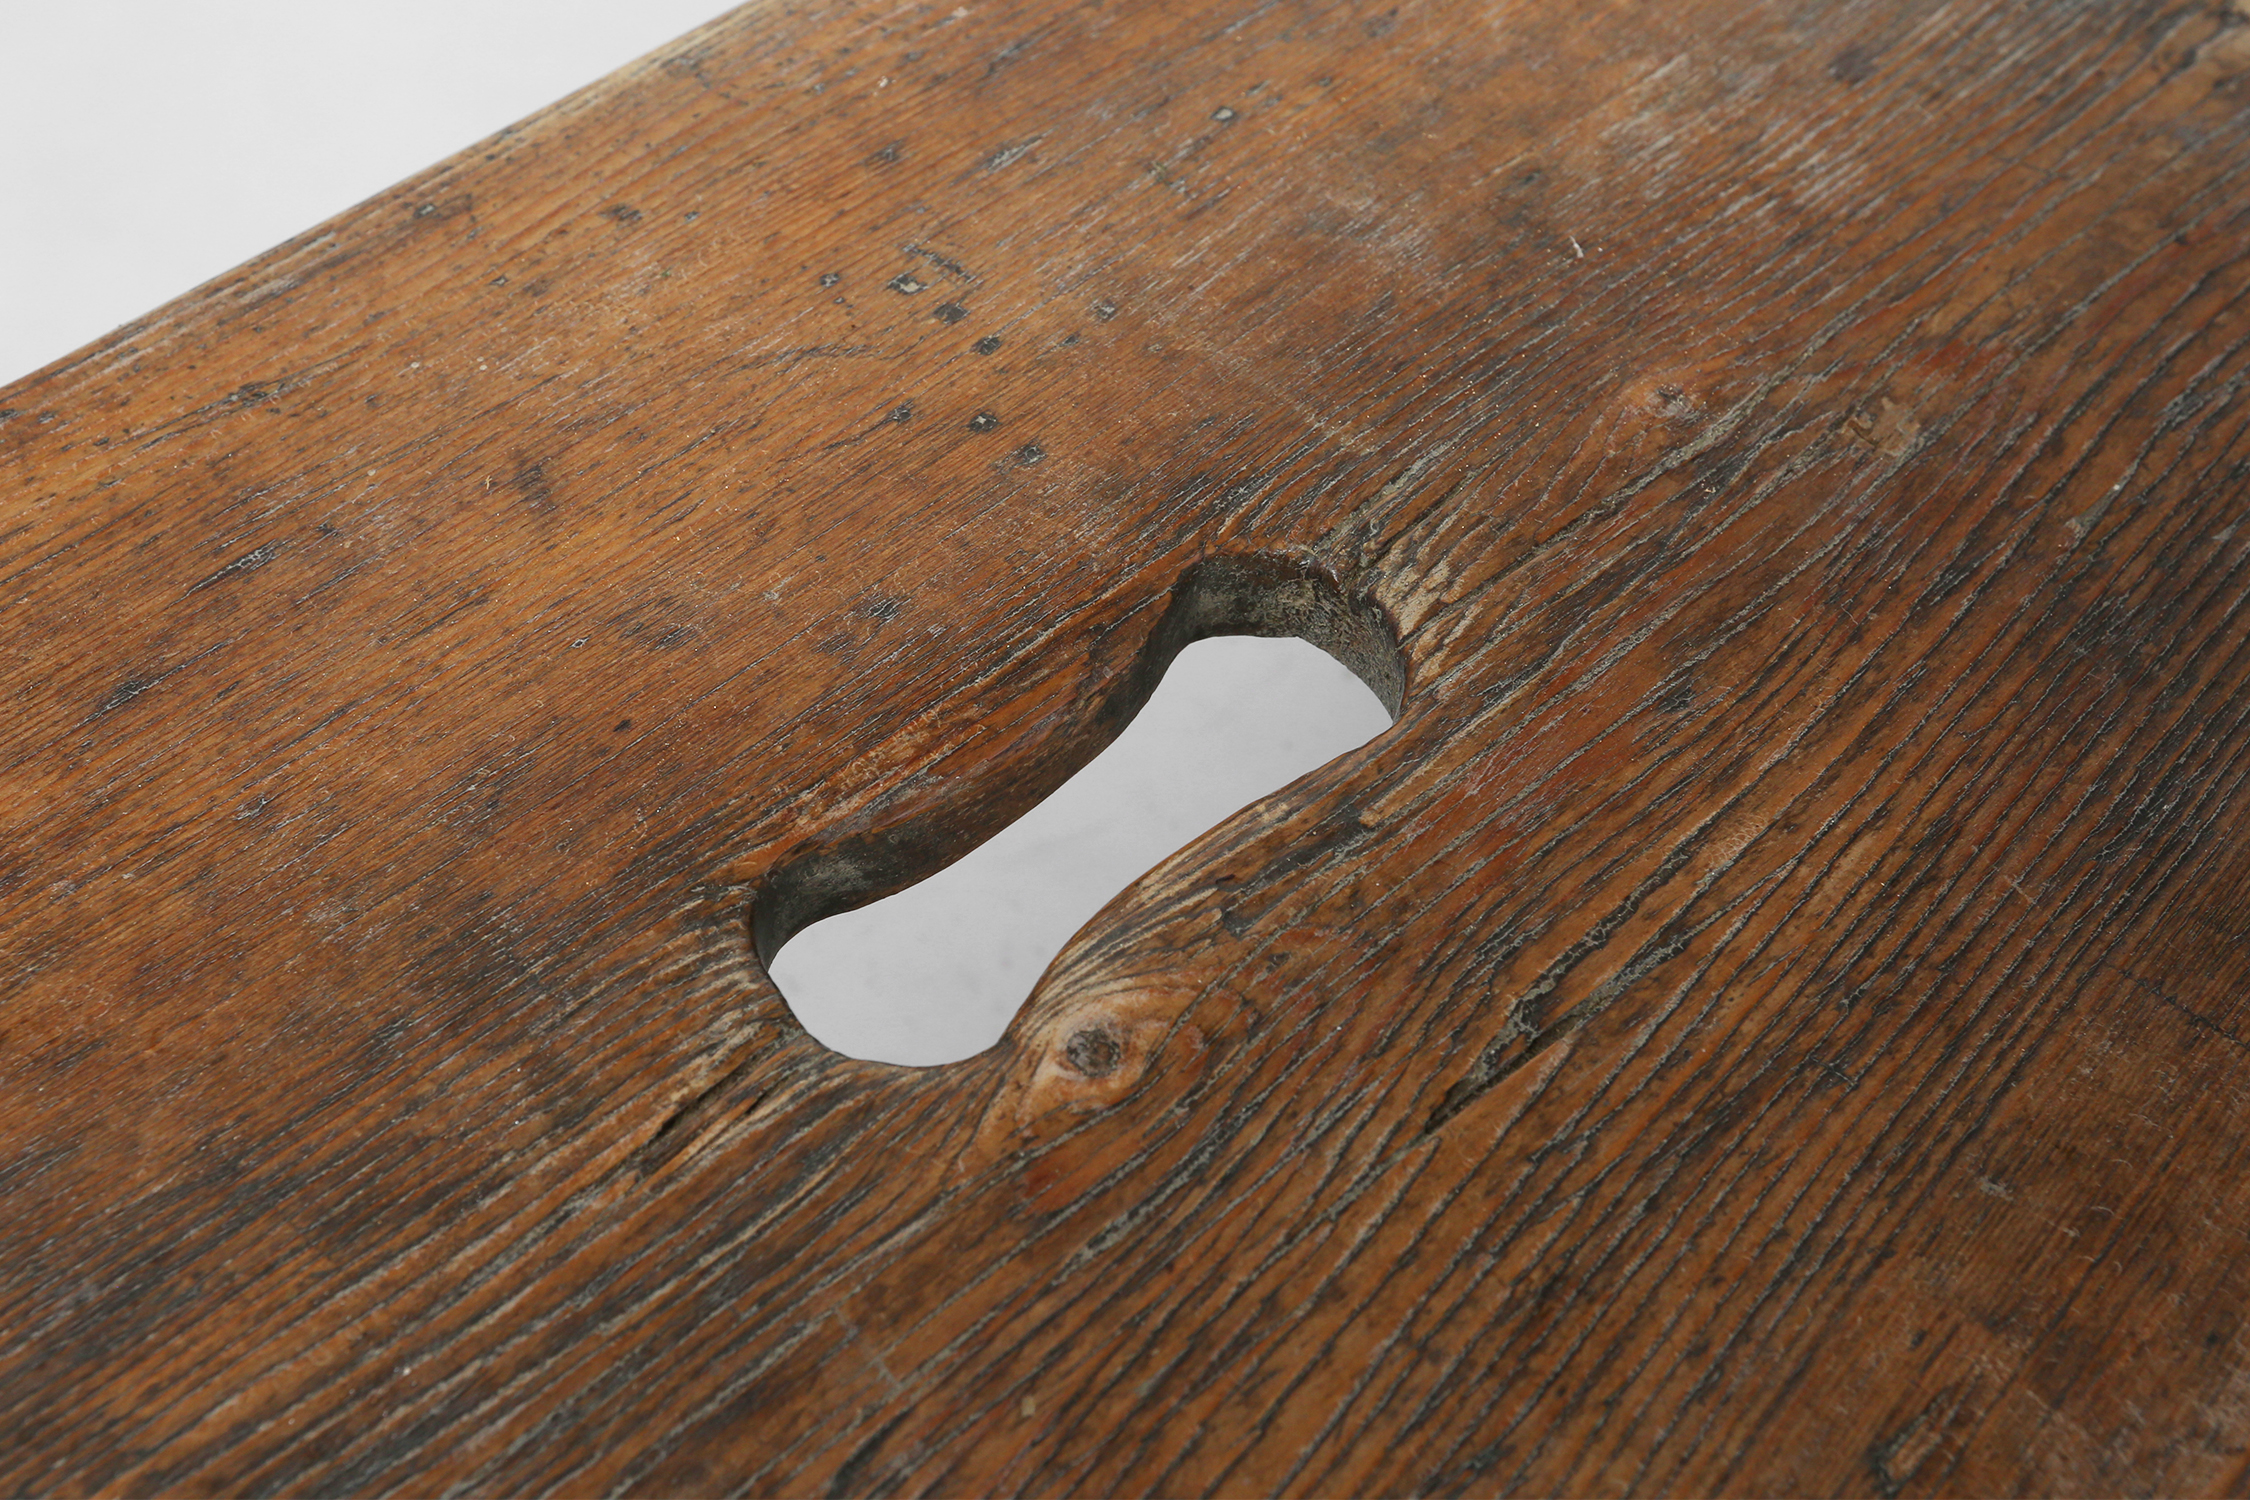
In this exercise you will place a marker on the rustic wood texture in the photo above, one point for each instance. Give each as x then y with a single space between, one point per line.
1770 1017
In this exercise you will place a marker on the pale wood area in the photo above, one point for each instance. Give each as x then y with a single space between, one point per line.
1769 1018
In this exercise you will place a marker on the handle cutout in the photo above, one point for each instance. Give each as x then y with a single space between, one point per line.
931 971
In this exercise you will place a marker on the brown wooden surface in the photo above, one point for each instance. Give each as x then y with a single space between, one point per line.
1770 1018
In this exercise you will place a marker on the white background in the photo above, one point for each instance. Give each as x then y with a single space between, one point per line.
147 146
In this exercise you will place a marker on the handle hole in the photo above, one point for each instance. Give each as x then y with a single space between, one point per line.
934 973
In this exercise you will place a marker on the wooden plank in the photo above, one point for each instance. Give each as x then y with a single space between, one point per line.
1767 1019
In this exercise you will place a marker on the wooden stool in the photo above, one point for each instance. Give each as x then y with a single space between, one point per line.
1768 1019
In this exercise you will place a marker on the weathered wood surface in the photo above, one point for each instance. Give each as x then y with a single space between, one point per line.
1769 1018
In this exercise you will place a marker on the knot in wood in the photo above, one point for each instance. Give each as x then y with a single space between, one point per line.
1093 1051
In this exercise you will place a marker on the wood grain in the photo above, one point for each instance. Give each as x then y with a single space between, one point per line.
1769 1018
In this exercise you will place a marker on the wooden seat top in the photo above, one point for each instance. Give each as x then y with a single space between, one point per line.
1768 1018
